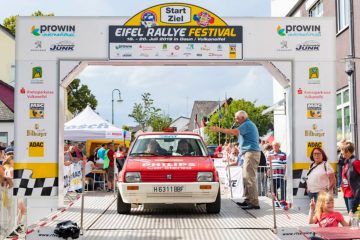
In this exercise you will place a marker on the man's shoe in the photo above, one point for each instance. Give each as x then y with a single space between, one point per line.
242 204
250 206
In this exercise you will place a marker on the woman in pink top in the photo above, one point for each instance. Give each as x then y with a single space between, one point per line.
323 212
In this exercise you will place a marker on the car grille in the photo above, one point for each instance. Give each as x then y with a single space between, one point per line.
178 176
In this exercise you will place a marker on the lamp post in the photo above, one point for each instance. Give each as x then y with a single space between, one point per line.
112 103
112 122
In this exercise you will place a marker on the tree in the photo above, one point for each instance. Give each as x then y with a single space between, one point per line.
263 122
10 22
144 112
79 96
159 122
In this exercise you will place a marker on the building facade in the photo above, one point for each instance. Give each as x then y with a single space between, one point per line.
347 14
7 59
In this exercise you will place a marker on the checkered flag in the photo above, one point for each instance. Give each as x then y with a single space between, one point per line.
25 185
298 183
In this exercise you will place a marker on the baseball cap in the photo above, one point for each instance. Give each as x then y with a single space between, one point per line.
9 150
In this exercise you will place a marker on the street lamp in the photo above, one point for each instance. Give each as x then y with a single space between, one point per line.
112 121
112 102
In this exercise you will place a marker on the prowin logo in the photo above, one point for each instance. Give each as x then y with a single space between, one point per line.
53 30
299 30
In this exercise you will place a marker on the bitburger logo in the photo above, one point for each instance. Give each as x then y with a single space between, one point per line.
36 131
314 132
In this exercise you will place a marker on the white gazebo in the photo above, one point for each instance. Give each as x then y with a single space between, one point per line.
89 125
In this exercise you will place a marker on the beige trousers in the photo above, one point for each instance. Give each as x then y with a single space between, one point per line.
251 163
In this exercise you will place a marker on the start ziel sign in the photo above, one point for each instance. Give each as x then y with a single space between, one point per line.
175 31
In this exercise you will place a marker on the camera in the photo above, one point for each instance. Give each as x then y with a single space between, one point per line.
349 67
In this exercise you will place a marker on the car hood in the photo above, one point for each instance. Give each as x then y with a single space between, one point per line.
169 163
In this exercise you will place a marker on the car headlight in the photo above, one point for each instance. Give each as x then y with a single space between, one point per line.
132 177
205 177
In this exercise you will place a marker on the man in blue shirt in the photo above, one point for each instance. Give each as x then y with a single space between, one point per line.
248 137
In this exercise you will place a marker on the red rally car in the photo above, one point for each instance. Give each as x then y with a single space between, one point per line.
168 167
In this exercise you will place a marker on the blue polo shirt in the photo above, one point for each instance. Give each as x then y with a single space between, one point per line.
101 153
249 137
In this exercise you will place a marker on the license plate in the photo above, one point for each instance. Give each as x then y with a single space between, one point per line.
168 189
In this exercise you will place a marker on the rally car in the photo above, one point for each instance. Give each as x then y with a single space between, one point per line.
169 168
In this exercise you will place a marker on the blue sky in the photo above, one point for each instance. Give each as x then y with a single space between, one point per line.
173 88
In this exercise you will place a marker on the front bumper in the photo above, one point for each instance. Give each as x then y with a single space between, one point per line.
149 192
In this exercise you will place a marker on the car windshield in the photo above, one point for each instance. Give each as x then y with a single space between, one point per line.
168 145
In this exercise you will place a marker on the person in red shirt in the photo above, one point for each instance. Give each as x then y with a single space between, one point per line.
350 177
110 169
323 211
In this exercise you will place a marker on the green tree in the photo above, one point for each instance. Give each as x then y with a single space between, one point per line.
159 122
144 112
79 96
263 122
10 22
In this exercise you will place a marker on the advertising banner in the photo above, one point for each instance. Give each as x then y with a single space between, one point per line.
72 177
175 31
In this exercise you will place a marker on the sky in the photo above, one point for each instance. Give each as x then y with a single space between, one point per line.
173 89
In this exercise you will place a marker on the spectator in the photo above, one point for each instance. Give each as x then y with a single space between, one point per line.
234 157
340 164
261 176
110 171
68 159
323 211
277 159
248 137
321 176
120 157
101 154
350 177
8 164
2 154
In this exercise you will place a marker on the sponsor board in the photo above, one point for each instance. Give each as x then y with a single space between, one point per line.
308 46
63 46
314 75
314 132
313 94
37 74
232 51
298 30
36 131
38 47
36 94
311 145
36 149
314 110
36 110
53 30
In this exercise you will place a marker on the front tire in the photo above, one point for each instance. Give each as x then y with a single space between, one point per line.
122 208
215 206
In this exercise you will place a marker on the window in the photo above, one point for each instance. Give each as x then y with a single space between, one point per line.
343 115
317 10
342 14
4 138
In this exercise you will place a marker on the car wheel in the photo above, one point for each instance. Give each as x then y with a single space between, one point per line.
122 208
215 206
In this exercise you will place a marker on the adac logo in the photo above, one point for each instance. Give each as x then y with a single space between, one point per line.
36 149
311 145
281 31
36 72
35 31
148 19
203 19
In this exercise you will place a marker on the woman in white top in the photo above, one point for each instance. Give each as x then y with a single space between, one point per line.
321 176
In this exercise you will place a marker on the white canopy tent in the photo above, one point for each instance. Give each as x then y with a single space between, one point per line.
89 125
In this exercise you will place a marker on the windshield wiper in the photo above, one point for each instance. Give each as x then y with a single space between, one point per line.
144 153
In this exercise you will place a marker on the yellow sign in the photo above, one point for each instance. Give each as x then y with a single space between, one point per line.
232 51
171 14
36 149
36 110
311 145
314 110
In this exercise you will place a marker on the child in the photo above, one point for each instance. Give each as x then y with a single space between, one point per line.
323 213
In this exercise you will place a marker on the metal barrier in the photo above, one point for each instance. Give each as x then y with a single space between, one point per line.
8 210
264 181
